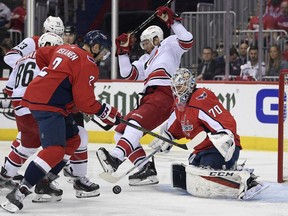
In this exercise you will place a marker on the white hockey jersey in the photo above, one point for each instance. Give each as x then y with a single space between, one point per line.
247 70
23 73
157 68
27 46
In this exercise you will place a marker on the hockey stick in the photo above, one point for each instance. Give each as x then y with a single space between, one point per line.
105 127
149 19
183 146
113 179
200 137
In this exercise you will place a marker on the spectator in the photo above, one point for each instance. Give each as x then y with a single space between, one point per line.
272 8
281 22
250 70
268 24
285 52
5 16
234 68
18 17
275 63
206 69
243 52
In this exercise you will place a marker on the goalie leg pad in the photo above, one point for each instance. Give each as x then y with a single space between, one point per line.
178 176
207 183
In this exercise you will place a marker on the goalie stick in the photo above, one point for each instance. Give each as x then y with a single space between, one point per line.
183 146
200 137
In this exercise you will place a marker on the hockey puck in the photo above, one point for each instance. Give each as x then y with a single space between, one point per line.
116 189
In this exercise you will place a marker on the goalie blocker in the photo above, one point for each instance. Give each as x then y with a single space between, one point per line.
207 183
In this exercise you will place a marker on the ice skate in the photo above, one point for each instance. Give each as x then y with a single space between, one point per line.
68 173
147 175
85 188
46 191
6 181
109 163
252 188
15 199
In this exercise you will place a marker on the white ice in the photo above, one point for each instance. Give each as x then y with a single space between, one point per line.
160 199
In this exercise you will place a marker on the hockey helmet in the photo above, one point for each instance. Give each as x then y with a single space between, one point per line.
54 24
70 29
183 84
150 33
50 39
99 37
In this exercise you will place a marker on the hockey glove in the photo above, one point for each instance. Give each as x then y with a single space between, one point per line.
167 15
156 143
5 103
123 44
224 142
109 115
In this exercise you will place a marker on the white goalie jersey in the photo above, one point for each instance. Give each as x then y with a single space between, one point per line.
23 73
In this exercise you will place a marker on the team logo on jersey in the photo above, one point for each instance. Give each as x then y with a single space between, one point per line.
91 59
202 96
186 126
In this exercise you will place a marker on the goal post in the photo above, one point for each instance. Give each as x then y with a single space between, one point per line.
282 128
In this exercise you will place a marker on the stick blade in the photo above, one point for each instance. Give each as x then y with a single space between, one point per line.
109 178
200 137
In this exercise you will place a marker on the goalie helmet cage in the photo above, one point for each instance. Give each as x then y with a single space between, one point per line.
283 128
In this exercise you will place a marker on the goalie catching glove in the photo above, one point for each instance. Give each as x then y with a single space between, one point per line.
123 44
224 142
109 114
167 15
158 143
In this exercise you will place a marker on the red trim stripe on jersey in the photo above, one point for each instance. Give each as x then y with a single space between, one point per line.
185 44
134 73
13 52
159 73
125 146
138 155
222 181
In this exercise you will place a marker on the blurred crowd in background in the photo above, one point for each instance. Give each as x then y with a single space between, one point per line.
211 61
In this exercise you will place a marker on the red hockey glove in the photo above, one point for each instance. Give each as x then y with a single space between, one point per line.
109 115
167 15
123 44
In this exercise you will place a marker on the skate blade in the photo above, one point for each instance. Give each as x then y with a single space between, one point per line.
84 194
250 196
10 207
152 180
42 198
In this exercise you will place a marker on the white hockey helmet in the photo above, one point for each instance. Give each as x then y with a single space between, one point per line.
50 38
54 24
150 33
183 84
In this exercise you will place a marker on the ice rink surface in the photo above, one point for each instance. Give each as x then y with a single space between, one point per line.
160 199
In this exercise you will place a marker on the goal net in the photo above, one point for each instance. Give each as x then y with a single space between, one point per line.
283 128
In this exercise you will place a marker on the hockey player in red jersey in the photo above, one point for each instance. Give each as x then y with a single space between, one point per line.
65 85
23 73
197 110
155 68
28 45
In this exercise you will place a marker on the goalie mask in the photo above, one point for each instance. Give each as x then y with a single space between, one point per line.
183 84
99 37
150 33
54 24
50 39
